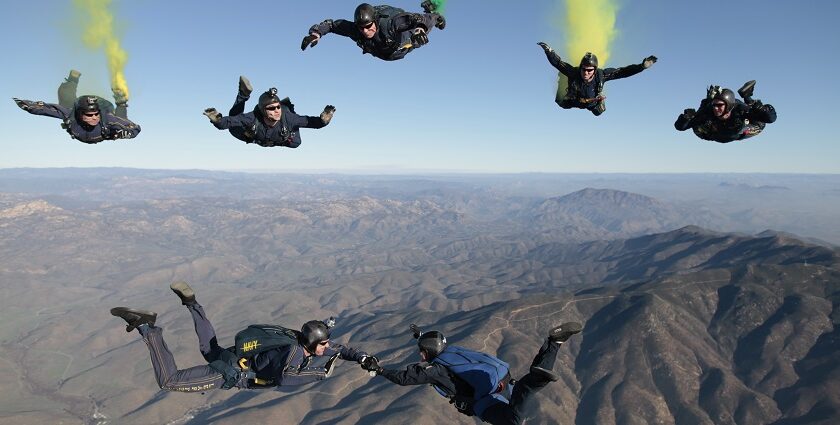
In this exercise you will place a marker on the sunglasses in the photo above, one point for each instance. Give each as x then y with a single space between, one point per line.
272 108
588 69
366 26
718 105
324 342
91 114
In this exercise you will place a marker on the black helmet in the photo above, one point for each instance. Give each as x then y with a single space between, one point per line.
268 98
432 343
86 104
313 332
364 15
589 59
728 97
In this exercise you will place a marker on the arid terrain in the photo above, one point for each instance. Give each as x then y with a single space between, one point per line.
705 298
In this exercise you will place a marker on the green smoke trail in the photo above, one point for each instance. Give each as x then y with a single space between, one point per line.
439 6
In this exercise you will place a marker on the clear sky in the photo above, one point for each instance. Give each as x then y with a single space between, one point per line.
478 98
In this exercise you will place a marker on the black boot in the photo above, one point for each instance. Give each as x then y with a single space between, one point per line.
134 317
746 91
428 6
184 292
563 332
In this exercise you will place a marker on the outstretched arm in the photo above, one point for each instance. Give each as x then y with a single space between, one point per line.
414 374
346 353
41 108
338 26
629 70
121 128
306 121
245 120
555 61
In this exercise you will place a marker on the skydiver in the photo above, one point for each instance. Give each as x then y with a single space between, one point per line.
387 32
723 118
267 364
585 89
273 121
475 382
88 119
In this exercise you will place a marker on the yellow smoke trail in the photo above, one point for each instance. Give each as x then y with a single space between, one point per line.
99 34
589 27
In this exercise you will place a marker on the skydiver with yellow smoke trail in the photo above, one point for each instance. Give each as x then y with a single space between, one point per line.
586 82
89 119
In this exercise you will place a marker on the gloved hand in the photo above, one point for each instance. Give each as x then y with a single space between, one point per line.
689 113
119 97
327 115
415 330
712 91
21 104
440 22
214 115
428 6
649 61
370 364
419 37
545 47
310 40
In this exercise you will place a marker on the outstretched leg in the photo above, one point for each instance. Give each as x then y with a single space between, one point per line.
167 375
207 342
541 374
67 89
238 107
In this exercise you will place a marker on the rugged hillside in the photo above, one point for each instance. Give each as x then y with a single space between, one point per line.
682 326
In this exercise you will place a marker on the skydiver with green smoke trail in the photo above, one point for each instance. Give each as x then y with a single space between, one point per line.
387 32
586 82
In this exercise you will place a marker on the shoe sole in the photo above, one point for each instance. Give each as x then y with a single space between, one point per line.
569 328
748 87
182 289
244 83
134 315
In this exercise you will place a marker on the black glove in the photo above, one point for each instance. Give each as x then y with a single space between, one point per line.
21 104
370 364
712 91
214 115
415 330
327 115
545 47
419 37
309 41
649 61
428 6
689 113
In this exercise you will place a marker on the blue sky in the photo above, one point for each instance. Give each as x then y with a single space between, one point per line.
478 98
